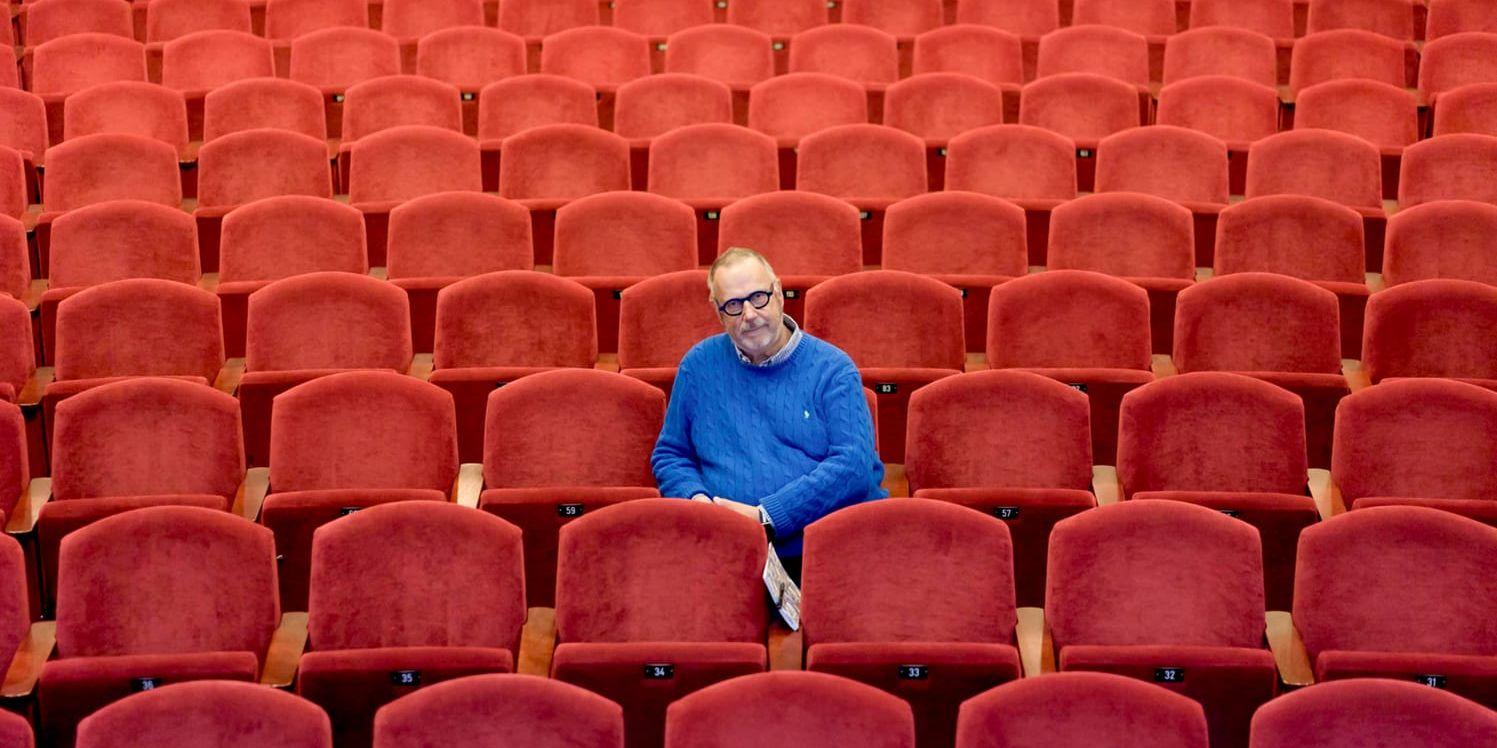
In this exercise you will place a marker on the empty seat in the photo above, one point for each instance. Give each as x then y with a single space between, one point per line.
1120 578
790 706
1382 114
1347 602
1442 239
53 19
1015 445
735 55
1259 473
805 236
1347 53
534 19
1221 50
1432 328
600 56
940 106
859 53
1320 163
519 103
23 125
204 60
905 350
779 18
1467 109
707 167
1232 109
991 54
1366 710
199 606
405 162
1080 708
381 103
336 58
110 166
413 19
498 707
1450 167
1030 166
1153 17
1186 166
249 165
1030 18
1421 442
661 18
1100 50
548 166
790 107
656 104
658 582
73 63
1273 327
904 18
1391 18
325 461
1274 18
870 166
168 19
460 615
470 57
1082 106
660 319
543 469
264 102
17 351
218 712
291 19
496 327
1448 17
132 107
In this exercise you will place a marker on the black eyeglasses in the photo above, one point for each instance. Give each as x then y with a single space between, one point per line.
757 299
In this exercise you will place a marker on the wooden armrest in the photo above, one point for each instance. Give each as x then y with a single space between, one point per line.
421 366
976 362
1288 650
607 362
1036 650
285 651
208 281
229 375
26 666
1105 484
30 395
895 480
22 520
1162 366
537 642
379 272
32 297
469 484
784 646
1356 376
1326 494
252 493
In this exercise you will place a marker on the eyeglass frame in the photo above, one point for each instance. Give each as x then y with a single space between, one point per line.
774 288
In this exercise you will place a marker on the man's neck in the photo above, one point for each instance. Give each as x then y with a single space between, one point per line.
779 344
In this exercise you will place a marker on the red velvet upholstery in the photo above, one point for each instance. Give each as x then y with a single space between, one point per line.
1346 53
904 331
562 162
170 593
1320 163
494 328
133 107
405 162
600 56
207 714
1454 16
470 57
1358 620
15 475
1418 441
1101 50
1086 329
793 106
712 164
410 19
515 104
1080 708
1140 586
1032 166
1379 113
77 61
495 708
204 60
1469 109
110 166
15 731
1235 110
248 165
23 122
169 19
54 19
1227 442
660 17
537 18
657 581
264 102
1391 18
1013 444
138 327
1364 712
735 55
899 17
15 614
859 53
1028 17
1221 49
1442 239
878 597
1155 17
17 351
938 106
656 104
778 17
336 58
1450 167
143 239
1083 106
991 54
805 236
431 587
289 19
862 163
797 708
660 319
13 188
1456 60
1432 328
1273 327
1176 163
395 100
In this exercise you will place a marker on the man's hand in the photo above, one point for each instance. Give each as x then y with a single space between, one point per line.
752 512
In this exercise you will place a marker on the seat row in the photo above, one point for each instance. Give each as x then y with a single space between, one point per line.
659 598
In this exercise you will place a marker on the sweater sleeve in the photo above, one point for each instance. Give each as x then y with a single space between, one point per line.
674 460
851 471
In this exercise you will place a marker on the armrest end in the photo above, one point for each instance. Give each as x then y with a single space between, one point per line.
30 395
285 651
251 493
229 376
422 366
36 647
1288 650
537 642
1036 651
1326 493
469 484
1105 485
22 520
1162 366
785 646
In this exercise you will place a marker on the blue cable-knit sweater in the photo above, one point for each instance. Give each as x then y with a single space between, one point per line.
794 437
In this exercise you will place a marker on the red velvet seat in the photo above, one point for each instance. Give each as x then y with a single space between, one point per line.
204 60
15 615
107 166
264 102
665 583
708 166
1368 711
53 19
152 597
1084 107
903 18
559 445
1424 442
1029 166
77 61
939 106
768 707
440 238
1432 328
500 707
1166 592
497 327
660 319
533 19
778 18
874 607
405 162
204 714
904 331
305 326
169 19
1221 49
734 55
1357 620
1335 166
860 53
1347 53
792 106
15 265
1012 444
1457 60
470 57
1237 111
518 103
23 127
984 52
1229 443
19 441
15 730
327 461
133 107
806 237
1467 109
428 591
870 166
250 165
654 105
290 19
391 101
413 19
1175 163
548 166
1305 237
1153 17
1086 329
1450 167
603 57
1080 708
1031 18
1272 327
1455 16
1382 114
661 18
1442 239
1100 50
1390 18
335 58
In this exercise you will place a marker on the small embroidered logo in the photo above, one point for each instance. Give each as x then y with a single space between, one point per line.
807 414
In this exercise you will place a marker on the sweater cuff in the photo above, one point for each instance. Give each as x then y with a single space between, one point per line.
778 517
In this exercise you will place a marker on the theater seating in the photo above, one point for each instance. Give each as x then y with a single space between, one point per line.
1450 167
660 319
406 162
1080 708
870 166
1467 109
1347 53
250 165
1432 328
1030 166
546 167
1237 111
520 708
769 707
264 102
211 712
708 166
1442 239
1175 163
1367 710
1101 50
128 107
1214 48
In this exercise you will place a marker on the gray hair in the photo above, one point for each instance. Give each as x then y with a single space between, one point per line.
735 255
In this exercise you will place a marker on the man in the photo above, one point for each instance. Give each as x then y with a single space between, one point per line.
765 419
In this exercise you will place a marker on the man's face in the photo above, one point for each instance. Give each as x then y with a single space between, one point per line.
756 330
